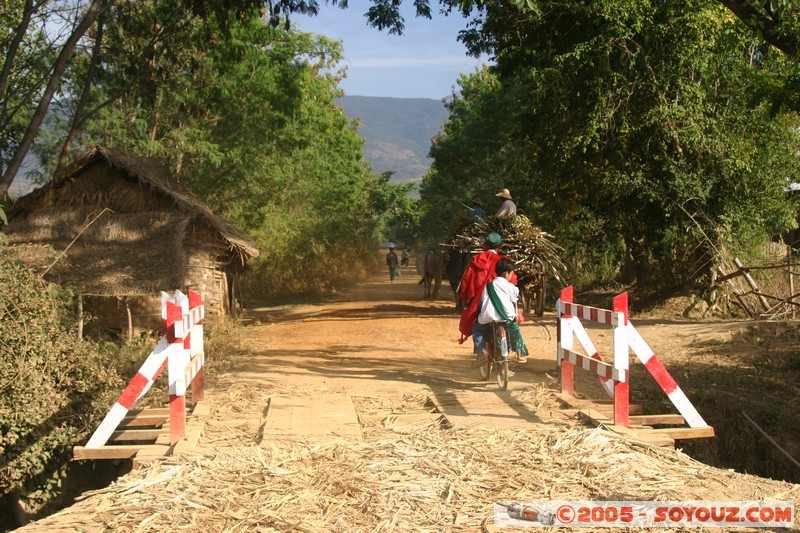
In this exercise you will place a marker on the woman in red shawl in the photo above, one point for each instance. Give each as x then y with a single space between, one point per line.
480 271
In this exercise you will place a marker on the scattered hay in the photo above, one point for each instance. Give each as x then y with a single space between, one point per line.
423 480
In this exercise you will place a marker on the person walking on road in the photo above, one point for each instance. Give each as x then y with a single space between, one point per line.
392 263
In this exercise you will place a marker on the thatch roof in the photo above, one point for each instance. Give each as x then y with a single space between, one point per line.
148 171
133 249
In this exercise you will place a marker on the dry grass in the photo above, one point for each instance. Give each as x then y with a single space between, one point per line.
399 478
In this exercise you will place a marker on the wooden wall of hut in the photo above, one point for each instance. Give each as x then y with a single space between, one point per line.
207 257
126 316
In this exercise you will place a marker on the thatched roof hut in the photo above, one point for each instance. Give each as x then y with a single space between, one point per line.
128 231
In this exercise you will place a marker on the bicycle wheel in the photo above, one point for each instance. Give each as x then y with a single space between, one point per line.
486 368
500 348
501 373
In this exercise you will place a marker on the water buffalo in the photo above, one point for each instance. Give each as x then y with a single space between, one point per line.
429 266
454 269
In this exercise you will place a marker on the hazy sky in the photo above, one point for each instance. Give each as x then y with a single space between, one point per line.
424 62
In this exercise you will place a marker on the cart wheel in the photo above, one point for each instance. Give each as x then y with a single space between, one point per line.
541 296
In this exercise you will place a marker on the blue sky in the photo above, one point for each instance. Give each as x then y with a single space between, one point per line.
424 62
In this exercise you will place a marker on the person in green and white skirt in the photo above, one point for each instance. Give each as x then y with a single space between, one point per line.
499 304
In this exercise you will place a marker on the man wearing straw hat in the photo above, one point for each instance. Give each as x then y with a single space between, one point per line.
476 212
509 208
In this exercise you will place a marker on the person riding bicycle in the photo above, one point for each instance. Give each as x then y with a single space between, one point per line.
480 271
499 304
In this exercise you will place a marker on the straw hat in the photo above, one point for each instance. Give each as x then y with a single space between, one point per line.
504 194
477 201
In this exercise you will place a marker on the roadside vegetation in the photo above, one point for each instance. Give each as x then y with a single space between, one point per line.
653 139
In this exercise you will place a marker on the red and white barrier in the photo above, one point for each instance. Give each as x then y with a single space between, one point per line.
180 349
614 377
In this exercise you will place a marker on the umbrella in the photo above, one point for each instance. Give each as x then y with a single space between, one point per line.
388 245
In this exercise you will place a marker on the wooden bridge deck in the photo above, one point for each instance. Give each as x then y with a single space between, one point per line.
144 435
601 412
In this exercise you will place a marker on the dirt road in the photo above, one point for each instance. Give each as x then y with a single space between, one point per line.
384 339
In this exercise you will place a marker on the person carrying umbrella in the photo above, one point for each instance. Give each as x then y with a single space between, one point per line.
392 263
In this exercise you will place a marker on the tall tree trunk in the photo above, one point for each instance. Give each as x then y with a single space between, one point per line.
766 22
5 74
19 33
96 7
78 117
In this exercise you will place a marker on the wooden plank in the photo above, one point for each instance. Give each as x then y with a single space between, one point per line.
657 420
79 453
144 421
643 434
595 417
133 413
202 408
598 405
136 452
151 452
646 435
687 433
135 434
326 416
633 409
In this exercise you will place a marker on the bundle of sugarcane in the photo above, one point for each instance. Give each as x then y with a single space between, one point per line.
532 249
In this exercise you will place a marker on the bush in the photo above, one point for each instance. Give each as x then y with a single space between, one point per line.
54 387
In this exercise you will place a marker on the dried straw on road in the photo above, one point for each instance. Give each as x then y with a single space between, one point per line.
426 480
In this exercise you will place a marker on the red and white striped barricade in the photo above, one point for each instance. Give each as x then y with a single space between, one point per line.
181 318
613 377
186 363
616 376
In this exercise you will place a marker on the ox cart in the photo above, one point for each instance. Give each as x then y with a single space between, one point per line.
533 290
535 254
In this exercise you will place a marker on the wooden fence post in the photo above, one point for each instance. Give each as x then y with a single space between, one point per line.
736 293
752 283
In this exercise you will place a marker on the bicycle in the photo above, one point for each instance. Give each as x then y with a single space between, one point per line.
497 356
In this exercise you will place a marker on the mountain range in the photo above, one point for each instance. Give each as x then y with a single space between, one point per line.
397 135
397 132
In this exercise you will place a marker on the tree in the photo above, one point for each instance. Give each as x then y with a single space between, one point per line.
395 212
777 21
245 115
619 118
13 165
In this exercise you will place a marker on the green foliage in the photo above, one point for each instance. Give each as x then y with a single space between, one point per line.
613 123
396 213
246 116
54 387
